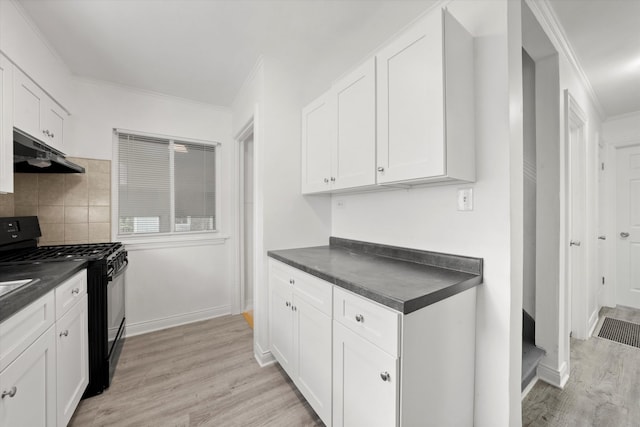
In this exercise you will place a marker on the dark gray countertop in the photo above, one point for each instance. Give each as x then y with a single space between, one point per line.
403 279
51 274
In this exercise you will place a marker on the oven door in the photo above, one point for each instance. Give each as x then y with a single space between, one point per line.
115 311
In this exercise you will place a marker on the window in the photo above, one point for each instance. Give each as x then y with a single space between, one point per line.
165 185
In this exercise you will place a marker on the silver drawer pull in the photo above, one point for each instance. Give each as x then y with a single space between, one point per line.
64 333
287 303
385 376
75 291
9 393
359 318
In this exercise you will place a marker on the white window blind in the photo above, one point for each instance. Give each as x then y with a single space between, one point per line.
165 185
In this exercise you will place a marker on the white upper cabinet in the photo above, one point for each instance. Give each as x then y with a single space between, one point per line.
354 150
6 125
338 134
36 113
318 132
425 104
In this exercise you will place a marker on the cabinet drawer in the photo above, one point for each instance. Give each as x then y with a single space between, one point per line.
23 328
313 290
70 292
370 320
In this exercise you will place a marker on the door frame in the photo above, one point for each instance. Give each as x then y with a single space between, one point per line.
575 120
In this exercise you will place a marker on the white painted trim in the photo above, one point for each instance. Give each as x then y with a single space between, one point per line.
557 378
529 387
147 326
264 358
549 21
173 242
167 137
593 322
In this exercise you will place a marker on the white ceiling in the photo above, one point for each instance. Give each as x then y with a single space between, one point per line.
605 36
204 49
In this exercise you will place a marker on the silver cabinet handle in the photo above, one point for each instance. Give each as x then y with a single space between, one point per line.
287 303
602 237
359 318
292 281
385 376
574 243
75 291
380 169
9 393
64 333
326 180
333 179
294 308
624 234
52 135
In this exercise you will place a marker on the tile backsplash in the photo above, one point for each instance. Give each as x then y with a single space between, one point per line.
72 208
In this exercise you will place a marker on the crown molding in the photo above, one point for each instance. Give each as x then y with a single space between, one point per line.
547 18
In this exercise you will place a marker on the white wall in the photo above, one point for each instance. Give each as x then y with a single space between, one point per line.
427 218
167 283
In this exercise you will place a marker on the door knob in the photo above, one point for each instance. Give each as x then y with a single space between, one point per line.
574 243
624 234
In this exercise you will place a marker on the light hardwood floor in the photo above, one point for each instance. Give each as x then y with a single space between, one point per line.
201 374
603 387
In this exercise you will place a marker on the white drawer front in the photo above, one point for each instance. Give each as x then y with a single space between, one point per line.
20 330
70 292
370 320
313 290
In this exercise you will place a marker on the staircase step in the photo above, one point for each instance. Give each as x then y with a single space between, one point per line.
531 356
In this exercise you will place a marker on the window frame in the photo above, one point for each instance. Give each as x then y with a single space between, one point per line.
186 237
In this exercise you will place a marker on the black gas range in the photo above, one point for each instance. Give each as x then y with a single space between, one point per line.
107 263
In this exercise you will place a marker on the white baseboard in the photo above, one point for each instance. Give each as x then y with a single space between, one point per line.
147 326
528 388
557 378
264 358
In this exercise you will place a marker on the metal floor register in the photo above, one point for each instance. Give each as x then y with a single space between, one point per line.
620 331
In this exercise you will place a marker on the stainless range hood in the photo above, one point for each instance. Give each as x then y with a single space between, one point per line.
33 156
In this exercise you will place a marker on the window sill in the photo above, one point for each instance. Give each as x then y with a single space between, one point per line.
139 243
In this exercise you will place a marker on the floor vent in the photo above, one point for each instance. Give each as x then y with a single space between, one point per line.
620 331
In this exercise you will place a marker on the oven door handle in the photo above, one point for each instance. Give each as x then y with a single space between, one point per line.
119 272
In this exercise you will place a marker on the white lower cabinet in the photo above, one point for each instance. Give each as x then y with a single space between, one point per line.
72 368
365 382
360 363
28 385
44 366
301 333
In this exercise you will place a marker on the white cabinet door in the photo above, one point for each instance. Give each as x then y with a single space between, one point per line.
312 341
72 360
6 125
410 104
28 104
281 320
53 119
354 154
365 382
28 385
318 135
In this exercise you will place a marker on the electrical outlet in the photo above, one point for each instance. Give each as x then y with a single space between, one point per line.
465 199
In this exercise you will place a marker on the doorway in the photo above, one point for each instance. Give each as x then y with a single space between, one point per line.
246 235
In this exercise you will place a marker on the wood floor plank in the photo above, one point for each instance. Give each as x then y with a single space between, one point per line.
201 374
603 388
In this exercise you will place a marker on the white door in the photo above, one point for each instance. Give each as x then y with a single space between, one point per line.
312 341
628 227
318 134
354 155
411 104
28 102
53 122
365 382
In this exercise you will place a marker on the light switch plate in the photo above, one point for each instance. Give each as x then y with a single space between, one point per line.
465 199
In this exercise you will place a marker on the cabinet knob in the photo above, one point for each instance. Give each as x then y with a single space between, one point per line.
380 169
624 234
287 303
64 333
326 180
292 281
574 243
333 179
385 376
9 393
359 318
294 308
75 291
52 135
